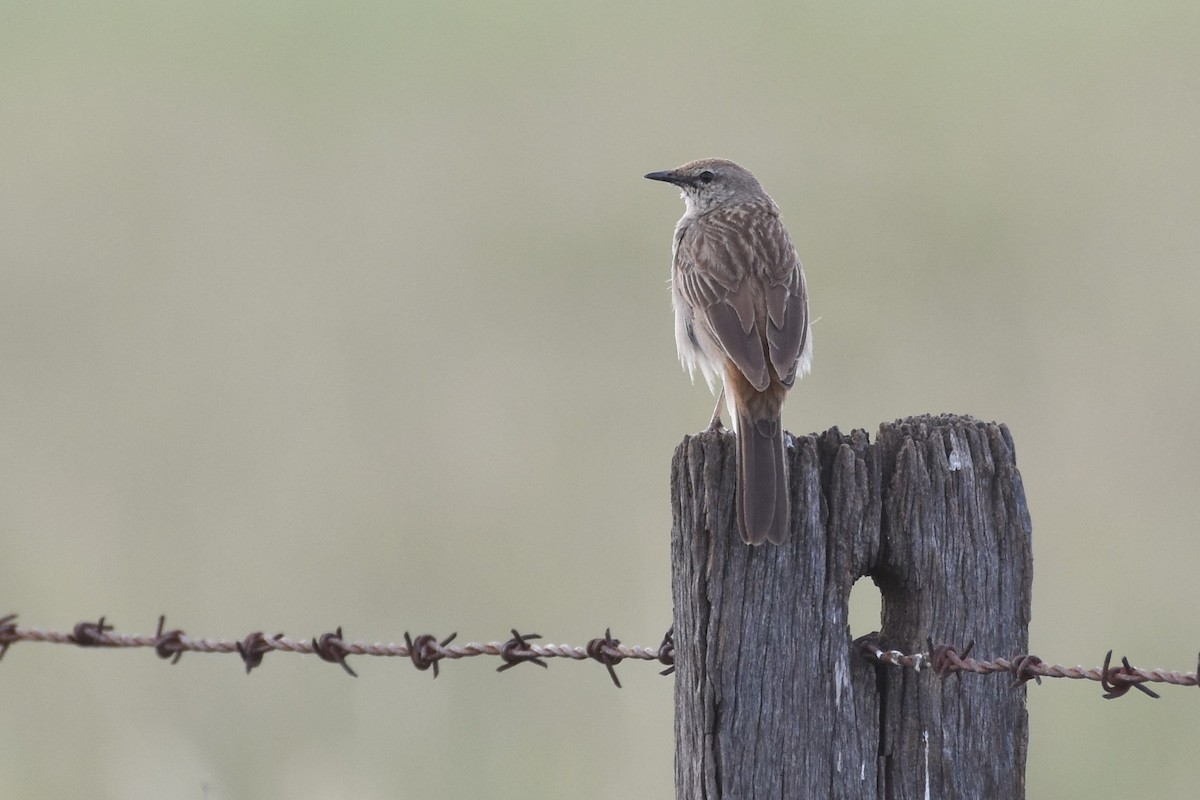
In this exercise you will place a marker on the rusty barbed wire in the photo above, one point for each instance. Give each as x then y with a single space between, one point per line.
946 660
426 651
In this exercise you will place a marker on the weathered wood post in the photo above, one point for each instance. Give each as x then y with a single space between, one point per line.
772 701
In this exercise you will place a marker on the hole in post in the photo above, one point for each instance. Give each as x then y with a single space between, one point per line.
866 607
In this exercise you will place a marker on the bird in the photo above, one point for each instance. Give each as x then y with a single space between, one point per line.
741 314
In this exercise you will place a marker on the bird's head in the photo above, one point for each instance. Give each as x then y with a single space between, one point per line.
710 183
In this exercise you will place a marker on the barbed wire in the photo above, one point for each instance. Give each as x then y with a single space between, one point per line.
946 660
425 651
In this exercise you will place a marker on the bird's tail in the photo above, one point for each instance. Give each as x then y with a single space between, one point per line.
762 495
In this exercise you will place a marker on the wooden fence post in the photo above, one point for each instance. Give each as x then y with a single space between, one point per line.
772 700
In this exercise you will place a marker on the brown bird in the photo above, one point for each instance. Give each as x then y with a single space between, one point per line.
741 313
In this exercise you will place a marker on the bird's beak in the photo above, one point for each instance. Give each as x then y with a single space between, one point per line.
669 176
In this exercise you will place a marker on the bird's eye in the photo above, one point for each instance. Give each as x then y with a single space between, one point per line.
706 176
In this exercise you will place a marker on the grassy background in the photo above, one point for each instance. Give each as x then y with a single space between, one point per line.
316 315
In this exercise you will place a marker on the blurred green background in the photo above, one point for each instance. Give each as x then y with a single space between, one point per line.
317 315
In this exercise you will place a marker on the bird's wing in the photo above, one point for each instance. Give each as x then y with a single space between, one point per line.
787 299
713 269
